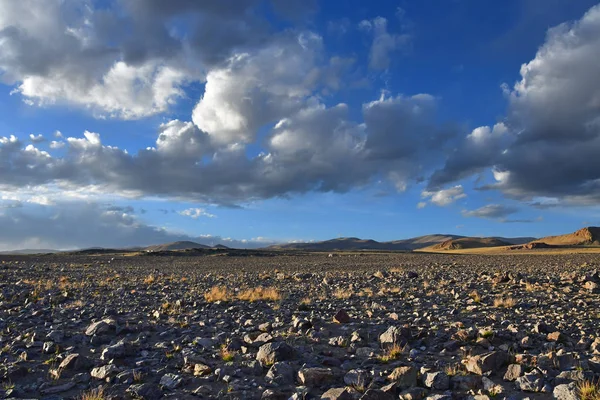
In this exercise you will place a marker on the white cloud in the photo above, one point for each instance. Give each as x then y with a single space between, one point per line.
384 43
547 146
255 89
56 145
36 138
124 59
313 148
196 213
445 197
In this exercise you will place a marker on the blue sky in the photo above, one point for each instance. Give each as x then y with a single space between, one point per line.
251 122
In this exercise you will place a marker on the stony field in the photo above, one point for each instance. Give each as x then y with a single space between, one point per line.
300 326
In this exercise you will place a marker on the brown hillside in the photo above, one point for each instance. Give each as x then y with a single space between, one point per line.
468 243
589 236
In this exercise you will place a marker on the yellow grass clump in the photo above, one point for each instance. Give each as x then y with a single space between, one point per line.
504 302
260 293
221 293
94 394
392 353
588 390
217 293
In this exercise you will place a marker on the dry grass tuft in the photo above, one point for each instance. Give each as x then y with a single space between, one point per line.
217 293
342 294
227 355
260 293
455 370
530 287
589 390
94 394
392 353
504 302
475 296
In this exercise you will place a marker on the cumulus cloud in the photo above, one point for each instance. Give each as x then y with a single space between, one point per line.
36 138
129 60
60 227
252 90
479 149
314 148
196 213
384 43
548 144
556 105
445 197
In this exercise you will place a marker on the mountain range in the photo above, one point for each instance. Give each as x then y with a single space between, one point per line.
589 236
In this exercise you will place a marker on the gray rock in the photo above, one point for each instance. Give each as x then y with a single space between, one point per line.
338 394
280 373
101 327
171 381
436 381
513 372
145 391
104 372
394 336
486 363
566 392
404 377
533 382
315 377
357 378
270 353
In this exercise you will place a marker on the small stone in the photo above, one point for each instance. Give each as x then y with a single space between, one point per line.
404 377
100 327
341 317
315 377
556 337
104 371
436 380
486 363
533 382
270 353
74 362
394 336
202 369
513 372
338 394
280 373
171 381
59 388
145 391
357 378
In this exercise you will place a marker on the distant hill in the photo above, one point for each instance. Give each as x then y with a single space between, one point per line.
589 236
350 243
353 243
468 243
422 241
416 243
29 251
183 245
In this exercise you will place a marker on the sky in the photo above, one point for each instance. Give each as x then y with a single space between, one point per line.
251 122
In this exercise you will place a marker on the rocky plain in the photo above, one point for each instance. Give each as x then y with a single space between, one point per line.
292 325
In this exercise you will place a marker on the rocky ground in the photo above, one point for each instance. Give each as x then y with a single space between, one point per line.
350 326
